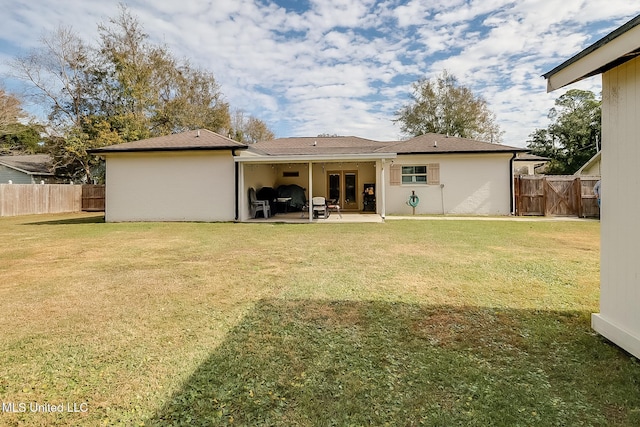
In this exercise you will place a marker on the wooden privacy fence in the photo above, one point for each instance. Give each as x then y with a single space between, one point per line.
93 198
29 199
556 195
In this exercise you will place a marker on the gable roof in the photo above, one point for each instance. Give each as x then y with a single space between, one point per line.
31 164
528 157
316 146
616 48
593 160
201 139
433 143
424 144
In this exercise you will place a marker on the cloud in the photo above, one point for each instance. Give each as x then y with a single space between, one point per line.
345 66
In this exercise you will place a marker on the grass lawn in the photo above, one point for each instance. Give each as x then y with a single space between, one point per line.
436 323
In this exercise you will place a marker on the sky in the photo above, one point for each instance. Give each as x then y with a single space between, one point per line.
310 67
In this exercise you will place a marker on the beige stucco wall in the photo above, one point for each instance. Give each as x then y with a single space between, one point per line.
619 317
170 186
594 169
259 175
477 184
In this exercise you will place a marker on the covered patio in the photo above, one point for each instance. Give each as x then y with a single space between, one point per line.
354 182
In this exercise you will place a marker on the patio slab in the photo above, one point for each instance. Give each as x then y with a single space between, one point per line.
334 218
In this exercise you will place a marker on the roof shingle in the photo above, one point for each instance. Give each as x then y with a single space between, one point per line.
321 145
433 143
32 164
201 139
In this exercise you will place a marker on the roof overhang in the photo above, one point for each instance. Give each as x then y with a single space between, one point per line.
315 158
466 152
102 152
616 48
25 171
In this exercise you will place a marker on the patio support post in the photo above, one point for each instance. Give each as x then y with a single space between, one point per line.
310 205
242 195
383 204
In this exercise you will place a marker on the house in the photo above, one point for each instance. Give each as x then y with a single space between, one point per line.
184 177
617 58
26 169
449 175
592 167
529 164
203 176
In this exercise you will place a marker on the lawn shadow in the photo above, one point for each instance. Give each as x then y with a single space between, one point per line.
90 219
303 362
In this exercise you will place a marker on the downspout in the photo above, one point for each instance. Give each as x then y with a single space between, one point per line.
381 191
236 185
511 189
310 201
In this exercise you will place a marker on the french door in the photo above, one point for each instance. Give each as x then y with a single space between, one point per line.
343 189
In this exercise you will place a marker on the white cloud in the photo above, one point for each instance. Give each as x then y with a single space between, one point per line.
344 66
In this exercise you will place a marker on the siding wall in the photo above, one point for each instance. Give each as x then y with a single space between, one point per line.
16 177
619 317
175 186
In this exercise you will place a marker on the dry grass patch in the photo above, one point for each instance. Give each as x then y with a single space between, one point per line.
198 323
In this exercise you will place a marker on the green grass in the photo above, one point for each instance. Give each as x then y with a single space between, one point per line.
403 323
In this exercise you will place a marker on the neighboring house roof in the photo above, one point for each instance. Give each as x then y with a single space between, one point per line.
592 161
612 50
31 164
528 157
201 139
433 143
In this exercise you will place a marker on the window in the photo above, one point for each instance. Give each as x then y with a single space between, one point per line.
428 174
414 174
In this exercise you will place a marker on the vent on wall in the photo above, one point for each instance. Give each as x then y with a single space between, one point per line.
290 174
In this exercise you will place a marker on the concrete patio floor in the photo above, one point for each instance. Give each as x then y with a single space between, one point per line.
356 217
334 218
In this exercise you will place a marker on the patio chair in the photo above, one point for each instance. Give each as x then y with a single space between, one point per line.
256 205
319 206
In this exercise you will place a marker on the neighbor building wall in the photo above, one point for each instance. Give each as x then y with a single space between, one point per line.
593 170
16 177
170 186
619 317
475 184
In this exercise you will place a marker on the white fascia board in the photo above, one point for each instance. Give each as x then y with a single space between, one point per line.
608 53
314 158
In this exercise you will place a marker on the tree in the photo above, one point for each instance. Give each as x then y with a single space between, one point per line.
573 136
64 74
249 129
10 110
149 86
61 74
17 137
125 89
443 106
